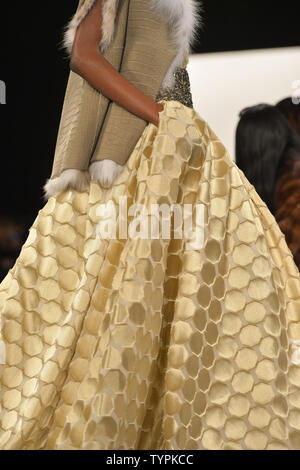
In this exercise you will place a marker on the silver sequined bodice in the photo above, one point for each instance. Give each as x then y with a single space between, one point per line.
181 91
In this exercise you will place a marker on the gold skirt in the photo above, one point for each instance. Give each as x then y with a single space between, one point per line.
140 343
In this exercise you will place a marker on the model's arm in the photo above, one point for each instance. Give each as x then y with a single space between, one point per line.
88 62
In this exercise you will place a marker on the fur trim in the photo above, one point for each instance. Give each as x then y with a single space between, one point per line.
70 178
109 10
185 18
183 15
108 19
105 171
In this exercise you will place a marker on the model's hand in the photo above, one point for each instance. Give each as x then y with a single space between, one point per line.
159 107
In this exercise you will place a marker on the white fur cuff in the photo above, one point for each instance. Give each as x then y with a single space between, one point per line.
105 171
70 178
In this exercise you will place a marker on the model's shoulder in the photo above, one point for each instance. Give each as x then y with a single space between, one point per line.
109 12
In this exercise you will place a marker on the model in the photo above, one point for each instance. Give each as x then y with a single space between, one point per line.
130 342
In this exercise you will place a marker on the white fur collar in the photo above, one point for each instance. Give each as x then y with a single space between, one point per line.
183 15
185 18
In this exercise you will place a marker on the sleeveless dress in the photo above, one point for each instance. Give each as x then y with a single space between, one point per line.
154 343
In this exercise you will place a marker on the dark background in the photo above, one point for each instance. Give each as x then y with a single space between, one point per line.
35 70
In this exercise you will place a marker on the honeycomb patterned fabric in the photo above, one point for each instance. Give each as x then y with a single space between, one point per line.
132 343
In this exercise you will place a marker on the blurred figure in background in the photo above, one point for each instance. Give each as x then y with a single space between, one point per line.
12 236
268 153
291 111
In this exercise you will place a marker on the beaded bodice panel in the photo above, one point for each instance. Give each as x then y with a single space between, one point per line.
181 91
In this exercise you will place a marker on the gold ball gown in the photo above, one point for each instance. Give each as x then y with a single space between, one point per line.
145 343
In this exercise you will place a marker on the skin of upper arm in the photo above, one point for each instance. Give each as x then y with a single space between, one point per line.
89 63
88 36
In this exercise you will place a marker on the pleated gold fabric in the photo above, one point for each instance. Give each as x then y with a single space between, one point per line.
142 343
